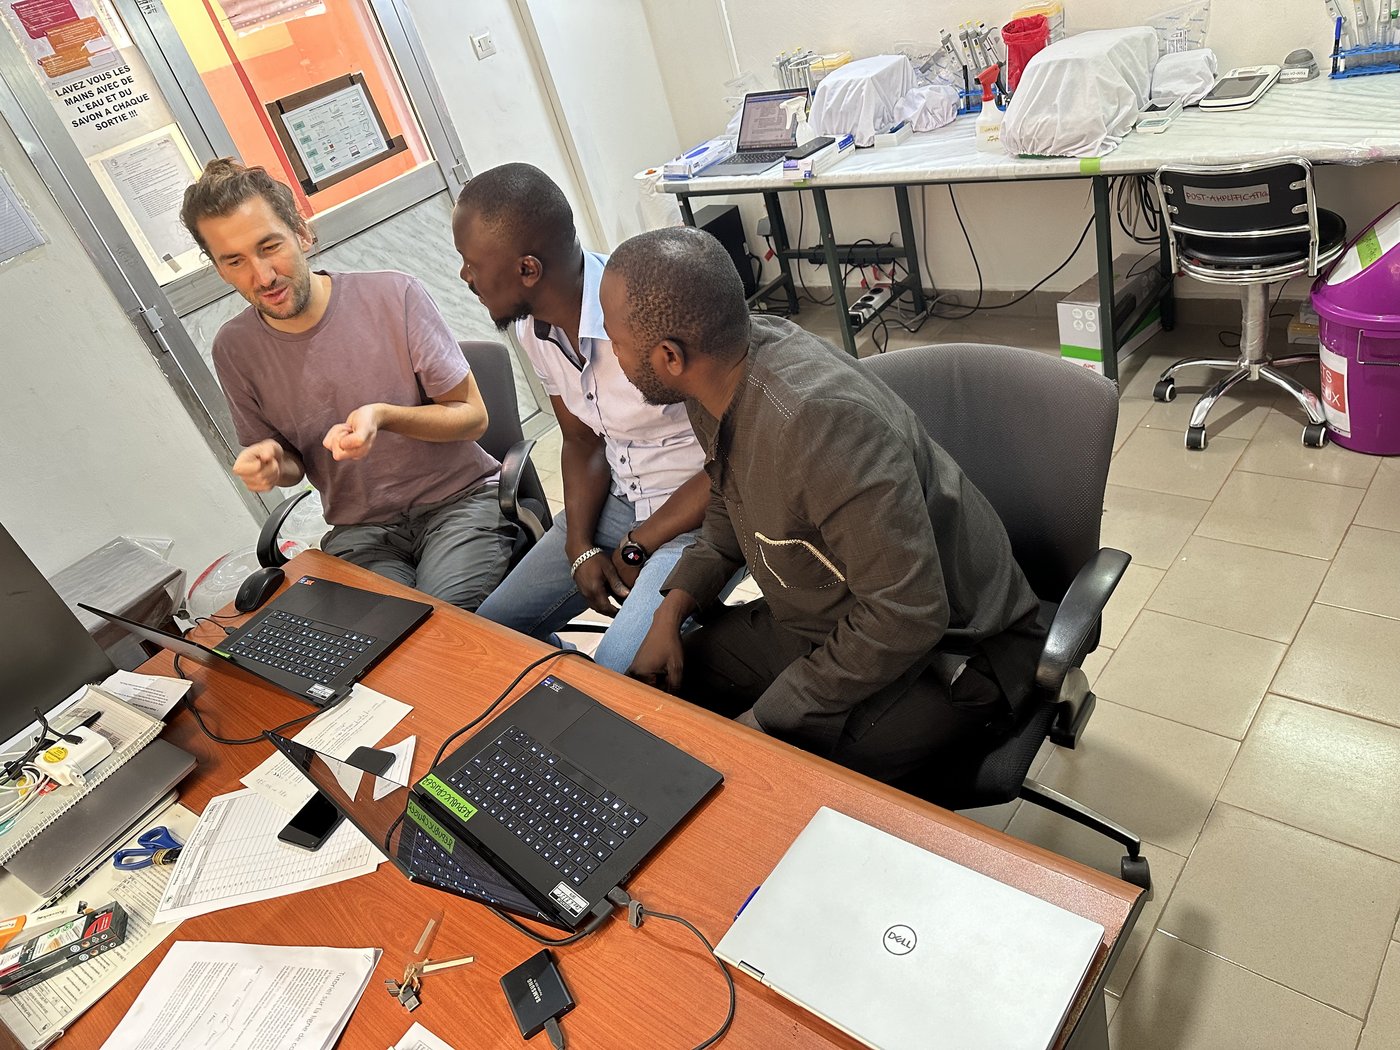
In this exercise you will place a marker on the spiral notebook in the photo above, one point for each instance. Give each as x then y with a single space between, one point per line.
128 730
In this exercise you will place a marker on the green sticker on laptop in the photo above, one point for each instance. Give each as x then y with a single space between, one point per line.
455 803
419 816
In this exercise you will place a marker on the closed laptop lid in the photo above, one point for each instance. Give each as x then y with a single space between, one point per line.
414 838
902 948
46 654
764 125
100 818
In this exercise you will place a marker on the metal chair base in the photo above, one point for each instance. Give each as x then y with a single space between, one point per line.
1252 365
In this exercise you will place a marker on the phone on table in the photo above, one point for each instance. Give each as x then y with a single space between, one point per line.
808 148
312 825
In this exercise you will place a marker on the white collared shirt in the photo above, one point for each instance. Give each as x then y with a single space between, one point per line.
651 449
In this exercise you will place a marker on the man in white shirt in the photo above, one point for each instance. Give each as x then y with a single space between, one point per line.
634 487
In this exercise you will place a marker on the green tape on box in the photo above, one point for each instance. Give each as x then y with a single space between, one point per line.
1368 248
419 816
463 809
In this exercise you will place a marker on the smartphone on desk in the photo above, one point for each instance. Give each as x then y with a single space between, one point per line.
312 825
808 148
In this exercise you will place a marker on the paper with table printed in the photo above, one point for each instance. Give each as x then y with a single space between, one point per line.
233 857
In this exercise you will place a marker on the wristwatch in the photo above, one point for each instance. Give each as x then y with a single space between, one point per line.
632 552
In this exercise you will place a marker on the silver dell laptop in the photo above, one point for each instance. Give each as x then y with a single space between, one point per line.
901 948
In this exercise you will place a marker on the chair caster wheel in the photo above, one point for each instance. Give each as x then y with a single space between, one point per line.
1315 435
1196 438
1136 871
1165 390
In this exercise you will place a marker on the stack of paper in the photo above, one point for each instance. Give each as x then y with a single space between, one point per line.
36 1016
247 997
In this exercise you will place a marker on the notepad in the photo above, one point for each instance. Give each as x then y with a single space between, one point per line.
128 729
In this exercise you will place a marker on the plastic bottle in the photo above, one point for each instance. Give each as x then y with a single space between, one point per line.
989 120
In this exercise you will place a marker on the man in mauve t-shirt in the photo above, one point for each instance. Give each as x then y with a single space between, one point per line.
354 381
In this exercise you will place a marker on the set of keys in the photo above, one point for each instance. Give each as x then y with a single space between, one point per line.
407 991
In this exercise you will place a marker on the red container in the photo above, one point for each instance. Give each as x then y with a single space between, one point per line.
1024 37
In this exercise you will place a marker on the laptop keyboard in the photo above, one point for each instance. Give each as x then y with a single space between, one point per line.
303 647
767 157
554 808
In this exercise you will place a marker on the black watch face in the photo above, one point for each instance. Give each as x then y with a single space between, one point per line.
633 555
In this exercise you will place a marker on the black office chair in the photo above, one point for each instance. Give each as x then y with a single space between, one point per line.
522 496
1251 225
1035 434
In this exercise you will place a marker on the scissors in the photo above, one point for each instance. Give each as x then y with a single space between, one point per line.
154 846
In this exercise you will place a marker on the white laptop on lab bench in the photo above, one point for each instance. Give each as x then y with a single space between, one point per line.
905 950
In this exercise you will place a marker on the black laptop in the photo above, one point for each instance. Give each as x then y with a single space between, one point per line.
315 640
552 804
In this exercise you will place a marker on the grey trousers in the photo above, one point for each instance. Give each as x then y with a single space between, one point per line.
457 550
905 727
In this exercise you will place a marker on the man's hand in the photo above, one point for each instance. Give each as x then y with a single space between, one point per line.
626 573
660 658
598 582
260 466
353 438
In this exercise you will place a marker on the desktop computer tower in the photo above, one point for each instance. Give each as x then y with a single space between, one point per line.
722 221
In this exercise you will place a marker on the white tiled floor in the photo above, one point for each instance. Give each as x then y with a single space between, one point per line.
1248 725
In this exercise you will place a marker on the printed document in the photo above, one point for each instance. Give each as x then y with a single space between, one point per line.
233 857
221 996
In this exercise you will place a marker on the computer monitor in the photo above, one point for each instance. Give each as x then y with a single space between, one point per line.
46 654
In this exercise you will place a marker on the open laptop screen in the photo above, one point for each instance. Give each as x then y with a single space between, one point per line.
401 828
764 124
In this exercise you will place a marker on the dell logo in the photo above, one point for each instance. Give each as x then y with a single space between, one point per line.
900 940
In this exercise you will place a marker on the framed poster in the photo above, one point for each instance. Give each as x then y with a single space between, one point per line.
331 131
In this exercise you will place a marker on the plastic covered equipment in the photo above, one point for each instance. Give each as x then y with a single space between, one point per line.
1358 309
1187 75
1078 98
1024 39
861 98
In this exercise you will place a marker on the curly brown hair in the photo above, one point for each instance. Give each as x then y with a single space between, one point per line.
225 185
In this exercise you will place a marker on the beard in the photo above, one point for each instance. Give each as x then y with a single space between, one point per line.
520 311
300 287
653 390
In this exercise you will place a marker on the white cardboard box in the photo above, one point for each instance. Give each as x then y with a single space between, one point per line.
1081 330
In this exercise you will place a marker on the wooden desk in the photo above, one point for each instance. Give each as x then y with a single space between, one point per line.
651 987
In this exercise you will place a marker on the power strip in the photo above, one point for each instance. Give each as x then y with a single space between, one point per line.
864 309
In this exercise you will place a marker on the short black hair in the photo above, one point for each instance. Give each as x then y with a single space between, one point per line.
682 285
226 184
526 206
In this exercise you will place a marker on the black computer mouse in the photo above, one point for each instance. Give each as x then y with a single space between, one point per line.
258 588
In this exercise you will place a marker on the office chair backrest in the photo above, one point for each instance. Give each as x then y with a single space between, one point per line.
1034 433
490 363
1238 200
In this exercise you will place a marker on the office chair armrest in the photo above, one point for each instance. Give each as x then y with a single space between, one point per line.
1076 621
513 465
269 553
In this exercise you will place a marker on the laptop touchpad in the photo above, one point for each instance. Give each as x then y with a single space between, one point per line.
605 744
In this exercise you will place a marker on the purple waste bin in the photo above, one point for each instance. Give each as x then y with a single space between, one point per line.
1358 307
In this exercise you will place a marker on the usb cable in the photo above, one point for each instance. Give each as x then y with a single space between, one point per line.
637 913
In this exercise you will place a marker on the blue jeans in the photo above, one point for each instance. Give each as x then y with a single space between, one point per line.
539 597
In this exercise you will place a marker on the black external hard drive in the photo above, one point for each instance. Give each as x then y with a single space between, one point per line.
536 994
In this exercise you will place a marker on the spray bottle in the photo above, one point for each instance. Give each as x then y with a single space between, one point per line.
989 120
